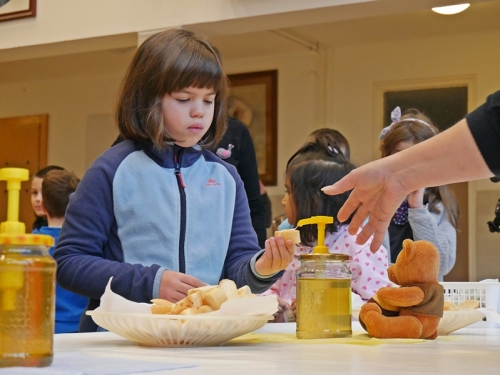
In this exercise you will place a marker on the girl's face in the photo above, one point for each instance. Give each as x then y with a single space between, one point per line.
289 205
401 146
36 196
188 114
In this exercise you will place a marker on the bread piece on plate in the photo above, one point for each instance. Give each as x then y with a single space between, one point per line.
215 298
189 311
245 291
180 306
229 287
161 301
289 234
161 309
161 306
469 304
202 289
196 299
450 306
204 309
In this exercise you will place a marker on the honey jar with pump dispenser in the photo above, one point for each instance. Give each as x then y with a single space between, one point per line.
323 301
27 286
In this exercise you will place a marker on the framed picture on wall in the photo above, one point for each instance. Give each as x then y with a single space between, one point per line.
14 9
253 99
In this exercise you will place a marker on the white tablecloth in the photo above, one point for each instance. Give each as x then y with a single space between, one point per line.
471 351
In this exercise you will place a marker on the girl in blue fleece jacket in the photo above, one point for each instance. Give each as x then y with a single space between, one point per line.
159 212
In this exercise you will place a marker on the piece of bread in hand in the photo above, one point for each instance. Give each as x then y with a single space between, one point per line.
289 234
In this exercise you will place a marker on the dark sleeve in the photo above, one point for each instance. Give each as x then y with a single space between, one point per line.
484 124
269 209
247 169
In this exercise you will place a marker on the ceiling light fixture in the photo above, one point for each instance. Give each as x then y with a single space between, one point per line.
451 9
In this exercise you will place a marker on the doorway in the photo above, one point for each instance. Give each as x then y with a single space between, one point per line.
445 106
23 144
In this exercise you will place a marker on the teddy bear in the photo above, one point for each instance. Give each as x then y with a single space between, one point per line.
414 309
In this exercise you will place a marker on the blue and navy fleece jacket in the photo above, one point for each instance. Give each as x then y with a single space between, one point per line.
139 211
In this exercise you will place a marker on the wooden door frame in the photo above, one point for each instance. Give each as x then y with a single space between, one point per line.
469 81
42 122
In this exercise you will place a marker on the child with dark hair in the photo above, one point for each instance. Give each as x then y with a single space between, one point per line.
57 186
303 199
159 212
327 136
36 195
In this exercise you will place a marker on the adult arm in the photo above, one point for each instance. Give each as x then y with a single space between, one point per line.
380 186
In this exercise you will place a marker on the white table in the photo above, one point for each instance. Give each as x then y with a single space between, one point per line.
471 351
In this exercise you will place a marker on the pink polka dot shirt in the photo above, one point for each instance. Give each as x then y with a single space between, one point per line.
369 271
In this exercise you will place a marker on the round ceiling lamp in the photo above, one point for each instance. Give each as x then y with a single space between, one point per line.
451 9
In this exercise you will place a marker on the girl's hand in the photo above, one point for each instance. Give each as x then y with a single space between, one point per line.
416 198
293 308
174 285
277 256
283 306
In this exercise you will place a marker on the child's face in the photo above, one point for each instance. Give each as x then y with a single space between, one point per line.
36 196
188 114
289 205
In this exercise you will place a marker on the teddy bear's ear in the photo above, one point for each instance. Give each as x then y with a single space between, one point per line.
409 249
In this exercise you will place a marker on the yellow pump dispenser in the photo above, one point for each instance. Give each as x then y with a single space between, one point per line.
321 221
13 176
12 279
323 289
27 285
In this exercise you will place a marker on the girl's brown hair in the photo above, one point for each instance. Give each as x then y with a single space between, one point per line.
166 62
408 130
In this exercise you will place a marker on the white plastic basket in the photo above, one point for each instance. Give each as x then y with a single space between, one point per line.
487 293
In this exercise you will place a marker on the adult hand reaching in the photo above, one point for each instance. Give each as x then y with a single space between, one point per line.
380 186
377 194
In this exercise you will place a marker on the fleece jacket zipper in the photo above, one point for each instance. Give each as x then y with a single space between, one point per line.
182 195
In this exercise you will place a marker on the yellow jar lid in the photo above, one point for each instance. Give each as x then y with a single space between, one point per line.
26 239
315 256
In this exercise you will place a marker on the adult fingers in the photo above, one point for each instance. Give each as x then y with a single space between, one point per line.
344 184
351 204
358 219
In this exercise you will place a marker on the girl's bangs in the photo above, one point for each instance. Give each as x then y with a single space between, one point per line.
198 71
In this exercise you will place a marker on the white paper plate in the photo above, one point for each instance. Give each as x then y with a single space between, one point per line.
453 320
178 330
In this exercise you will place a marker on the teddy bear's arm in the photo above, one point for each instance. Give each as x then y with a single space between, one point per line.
402 297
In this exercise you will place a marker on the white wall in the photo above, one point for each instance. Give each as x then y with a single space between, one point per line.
358 70
66 20
78 93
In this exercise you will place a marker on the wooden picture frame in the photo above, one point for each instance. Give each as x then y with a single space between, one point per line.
15 9
253 99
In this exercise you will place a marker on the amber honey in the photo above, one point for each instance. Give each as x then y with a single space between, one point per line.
27 309
323 308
